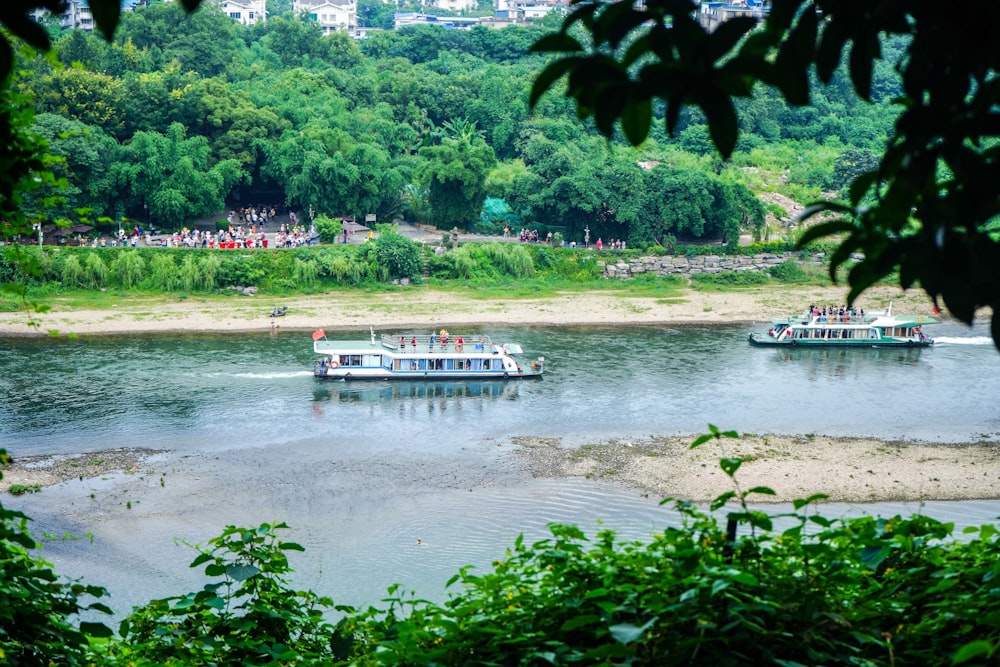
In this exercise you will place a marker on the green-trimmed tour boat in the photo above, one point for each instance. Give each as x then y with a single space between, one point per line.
843 329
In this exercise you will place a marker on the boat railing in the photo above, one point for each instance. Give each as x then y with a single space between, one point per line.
811 318
423 343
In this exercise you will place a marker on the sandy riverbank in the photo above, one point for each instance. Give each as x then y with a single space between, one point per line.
422 307
846 469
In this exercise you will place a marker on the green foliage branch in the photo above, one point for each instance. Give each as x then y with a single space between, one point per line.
39 612
248 615
925 210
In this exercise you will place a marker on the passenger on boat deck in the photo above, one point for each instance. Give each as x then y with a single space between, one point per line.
459 343
402 343
430 345
413 342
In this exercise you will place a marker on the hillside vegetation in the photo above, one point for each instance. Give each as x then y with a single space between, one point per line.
181 117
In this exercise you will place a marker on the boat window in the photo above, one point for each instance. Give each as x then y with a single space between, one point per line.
371 360
423 365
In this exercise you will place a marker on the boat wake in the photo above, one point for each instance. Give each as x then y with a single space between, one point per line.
273 376
967 340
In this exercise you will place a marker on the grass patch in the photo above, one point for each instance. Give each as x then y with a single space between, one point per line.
21 489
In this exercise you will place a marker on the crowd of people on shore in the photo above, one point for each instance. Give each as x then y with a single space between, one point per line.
246 229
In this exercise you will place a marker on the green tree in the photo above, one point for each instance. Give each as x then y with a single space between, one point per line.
295 39
932 196
376 14
90 97
455 174
86 155
172 176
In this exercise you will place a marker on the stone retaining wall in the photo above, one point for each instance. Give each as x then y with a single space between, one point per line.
679 264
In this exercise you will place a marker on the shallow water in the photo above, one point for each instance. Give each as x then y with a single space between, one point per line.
361 470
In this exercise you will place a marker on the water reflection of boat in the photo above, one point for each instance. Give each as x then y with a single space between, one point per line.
428 357
904 355
840 329
375 392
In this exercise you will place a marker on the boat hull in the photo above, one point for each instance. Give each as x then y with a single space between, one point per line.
422 357
351 374
763 340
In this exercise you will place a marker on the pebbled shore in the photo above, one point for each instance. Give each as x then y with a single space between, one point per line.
46 470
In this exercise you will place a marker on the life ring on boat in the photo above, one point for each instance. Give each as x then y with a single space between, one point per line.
334 364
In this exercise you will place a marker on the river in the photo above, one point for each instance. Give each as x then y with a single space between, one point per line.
360 471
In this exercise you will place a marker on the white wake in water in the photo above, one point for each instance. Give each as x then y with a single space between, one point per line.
956 340
273 376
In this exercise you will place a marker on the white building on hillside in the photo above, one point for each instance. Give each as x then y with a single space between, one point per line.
453 5
332 15
247 12
78 14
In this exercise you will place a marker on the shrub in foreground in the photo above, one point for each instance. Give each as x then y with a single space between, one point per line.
738 588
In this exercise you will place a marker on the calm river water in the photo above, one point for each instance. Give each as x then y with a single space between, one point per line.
361 470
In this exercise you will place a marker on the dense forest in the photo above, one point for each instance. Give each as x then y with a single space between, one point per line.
180 117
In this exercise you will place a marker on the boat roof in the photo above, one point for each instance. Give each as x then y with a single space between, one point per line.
389 344
875 320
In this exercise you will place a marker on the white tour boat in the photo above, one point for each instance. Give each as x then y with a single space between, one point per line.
420 356
876 329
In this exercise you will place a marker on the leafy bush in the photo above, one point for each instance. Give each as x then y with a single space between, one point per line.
305 273
36 608
346 265
128 269
441 267
731 278
493 260
238 270
862 591
328 228
73 273
163 272
397 255
249 615
788 271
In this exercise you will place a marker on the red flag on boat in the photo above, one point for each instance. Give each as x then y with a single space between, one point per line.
319 333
